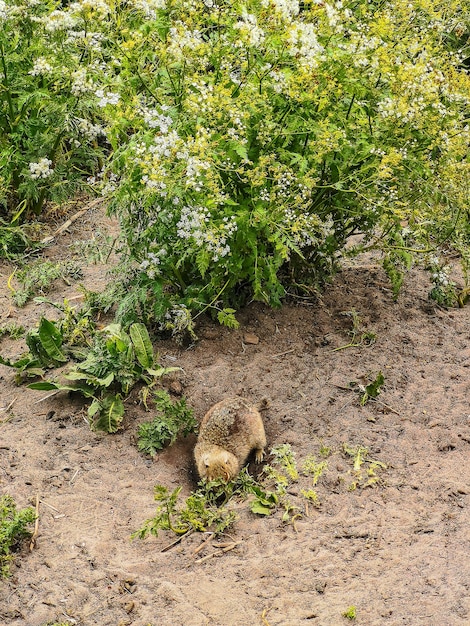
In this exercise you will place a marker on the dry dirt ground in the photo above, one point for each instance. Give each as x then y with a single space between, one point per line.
398 551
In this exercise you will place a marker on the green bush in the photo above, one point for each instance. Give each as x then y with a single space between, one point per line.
252 139
51 128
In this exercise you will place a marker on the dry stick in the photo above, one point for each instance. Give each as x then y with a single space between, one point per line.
203 544
7 408
50 506
32 543
54 393
73 219
219 552
176 541
274 356
263 616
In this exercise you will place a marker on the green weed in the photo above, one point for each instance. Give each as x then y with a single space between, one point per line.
359 336
366 471
13 330
39 278
350 613
114 363
173 418
13 530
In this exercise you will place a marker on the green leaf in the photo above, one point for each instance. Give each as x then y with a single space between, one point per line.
51 341
372 390
226 317
44 386
142 345
111 411
259 508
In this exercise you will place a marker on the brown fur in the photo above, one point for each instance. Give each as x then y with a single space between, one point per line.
230 430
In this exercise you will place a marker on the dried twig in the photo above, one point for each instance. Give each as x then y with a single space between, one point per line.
71 220
176 541
203 544
49 505
219 552
7 408
275 356
32 543
263 616
54 393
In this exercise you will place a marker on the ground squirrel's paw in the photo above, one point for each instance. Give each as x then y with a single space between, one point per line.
259 455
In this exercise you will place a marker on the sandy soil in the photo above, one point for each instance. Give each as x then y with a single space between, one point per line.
397 551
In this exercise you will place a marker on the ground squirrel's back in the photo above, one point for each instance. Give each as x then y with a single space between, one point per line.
230 430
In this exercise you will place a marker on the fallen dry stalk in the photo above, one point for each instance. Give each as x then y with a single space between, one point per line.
32 543
71 220
176 541
7 408
263 616
219 552
203 544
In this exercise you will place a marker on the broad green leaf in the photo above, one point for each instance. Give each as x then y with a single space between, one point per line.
51 340
44 386
111 412
92 380
261 509
142 345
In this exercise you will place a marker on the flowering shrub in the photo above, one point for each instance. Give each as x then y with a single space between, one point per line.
51 128
251 138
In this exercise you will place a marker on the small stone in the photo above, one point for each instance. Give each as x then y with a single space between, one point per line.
129 607
251 338
176 387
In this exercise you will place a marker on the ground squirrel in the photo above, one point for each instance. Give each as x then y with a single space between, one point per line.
230 430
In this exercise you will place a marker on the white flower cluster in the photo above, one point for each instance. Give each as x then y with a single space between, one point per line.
151 263
149 7
58 20
303 43
440 274
41 169
279 81
82 37
89 130
251 34
336 17
106 98
3 10
286 9
194 169
156 119
40 67
84 6
81 84
178 319
193 224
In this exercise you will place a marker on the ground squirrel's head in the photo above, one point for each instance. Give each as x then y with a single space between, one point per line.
218 464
